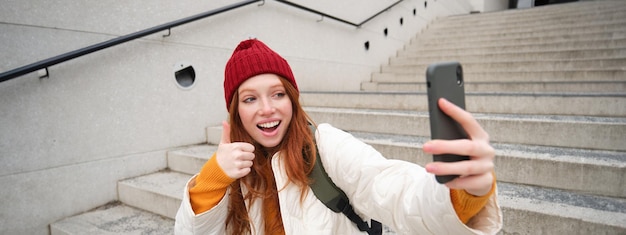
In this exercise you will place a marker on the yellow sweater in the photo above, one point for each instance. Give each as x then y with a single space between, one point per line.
211 183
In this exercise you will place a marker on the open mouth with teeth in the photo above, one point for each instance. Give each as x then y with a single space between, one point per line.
269 126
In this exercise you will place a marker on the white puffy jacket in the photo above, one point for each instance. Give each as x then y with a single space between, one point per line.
399 194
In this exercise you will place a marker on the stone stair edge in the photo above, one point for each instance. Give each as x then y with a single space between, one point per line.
486 35
525 164
536 76
414 58
563 53
570 22
574 76
586 119
491 82
520 67
509 40
543 43
203 150
603 104
528 47
557 10
560 75
166 187
596 209
615 16
577 5
406 54
575 155
531 13
582 87
617 61
114 218
557 130
176 176
191 159
555 75
475 93
480 34
520 26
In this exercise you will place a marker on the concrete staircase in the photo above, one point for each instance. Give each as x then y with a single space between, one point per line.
147 204
548 84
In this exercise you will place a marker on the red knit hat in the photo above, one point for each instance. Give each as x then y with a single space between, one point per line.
252 57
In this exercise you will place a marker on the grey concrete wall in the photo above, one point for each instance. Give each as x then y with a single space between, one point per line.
66 140
490 5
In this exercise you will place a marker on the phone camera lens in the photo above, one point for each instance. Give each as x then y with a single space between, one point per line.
459 75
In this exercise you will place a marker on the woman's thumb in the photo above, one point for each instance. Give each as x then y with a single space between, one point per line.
225 133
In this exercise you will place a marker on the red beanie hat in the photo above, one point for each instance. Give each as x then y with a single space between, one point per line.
252 57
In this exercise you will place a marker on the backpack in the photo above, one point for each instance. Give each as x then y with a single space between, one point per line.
334 198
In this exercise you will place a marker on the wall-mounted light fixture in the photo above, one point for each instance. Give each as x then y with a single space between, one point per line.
185 75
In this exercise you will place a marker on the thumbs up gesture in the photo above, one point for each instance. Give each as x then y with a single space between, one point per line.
235 159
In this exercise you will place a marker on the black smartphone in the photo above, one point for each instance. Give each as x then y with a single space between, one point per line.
445 80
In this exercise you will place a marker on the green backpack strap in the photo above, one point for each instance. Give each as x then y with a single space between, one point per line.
334 198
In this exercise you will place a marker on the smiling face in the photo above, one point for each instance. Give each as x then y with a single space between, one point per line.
265 109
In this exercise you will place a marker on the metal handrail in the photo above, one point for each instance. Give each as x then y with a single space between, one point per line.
336 18
44 64
380 12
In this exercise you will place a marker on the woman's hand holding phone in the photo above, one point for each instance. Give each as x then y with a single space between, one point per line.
462 156
475 174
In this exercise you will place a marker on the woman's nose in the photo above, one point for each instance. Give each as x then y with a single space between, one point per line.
267 107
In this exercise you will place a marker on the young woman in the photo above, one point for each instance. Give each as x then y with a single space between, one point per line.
257 183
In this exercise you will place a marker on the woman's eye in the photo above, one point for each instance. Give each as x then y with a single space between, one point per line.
248 100
280 94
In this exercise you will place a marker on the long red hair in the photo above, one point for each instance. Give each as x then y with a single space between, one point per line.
298 152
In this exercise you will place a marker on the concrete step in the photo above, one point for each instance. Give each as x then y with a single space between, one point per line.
601 104
544 13
470 35
548 130
572 75
535 210
562 168
573 23
499 38
609 22
556 14
564 55
144 201
159 193
191 159
507 87
519 66
528 47
148 203
113 219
